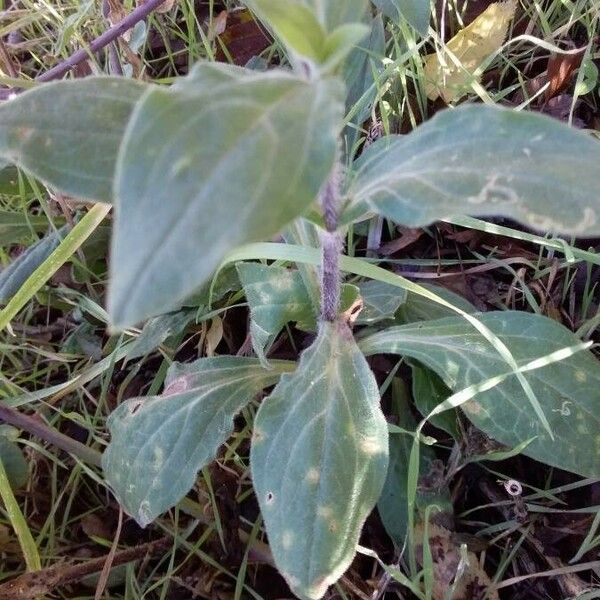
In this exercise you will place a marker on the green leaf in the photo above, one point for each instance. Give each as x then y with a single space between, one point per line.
251 156
568 389
429 391
13 185
416 12
419 308
15 227
206 76
359 74
278 296
393 502
67 133
159 443
340 43
319 458
330 13
381 301
157 330
63 252
295 24
19 270
14 463
481 160
333 13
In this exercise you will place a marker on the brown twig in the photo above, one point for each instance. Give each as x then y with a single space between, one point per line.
110 35
49 434
40 583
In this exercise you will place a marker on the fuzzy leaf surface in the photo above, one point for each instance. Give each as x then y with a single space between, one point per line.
319 459
381 301
203 169
278 296
332 13
159 443
67 133
419 308
569 390
481 160
157 330
416 12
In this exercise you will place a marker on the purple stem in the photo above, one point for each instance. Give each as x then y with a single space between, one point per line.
110 35
332 247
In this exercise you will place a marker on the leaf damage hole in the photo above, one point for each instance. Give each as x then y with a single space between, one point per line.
513 487
270 498
135 406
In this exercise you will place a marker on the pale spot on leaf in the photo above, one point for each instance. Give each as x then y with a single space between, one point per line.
312 476
371 446
287 539
324 512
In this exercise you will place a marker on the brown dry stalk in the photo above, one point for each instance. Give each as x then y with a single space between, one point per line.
31 586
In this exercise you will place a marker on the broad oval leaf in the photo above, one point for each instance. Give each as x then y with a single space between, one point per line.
67 133
416 12
18 271
319 459
481 160
159 443
569 390
202 171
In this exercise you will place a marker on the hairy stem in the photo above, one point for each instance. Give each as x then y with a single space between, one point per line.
332 246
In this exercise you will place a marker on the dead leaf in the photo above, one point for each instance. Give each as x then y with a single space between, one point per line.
470 47
470 581
218 25
407 237
214 336
561 68
95 527
242 39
